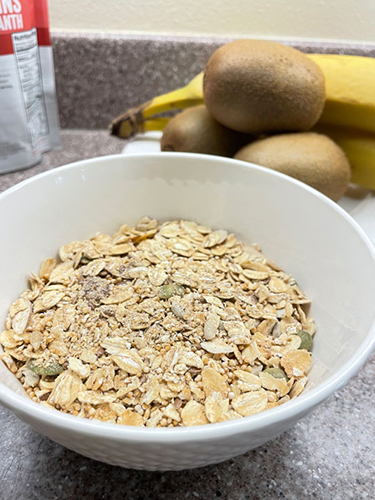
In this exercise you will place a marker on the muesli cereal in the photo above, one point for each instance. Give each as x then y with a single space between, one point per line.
160 325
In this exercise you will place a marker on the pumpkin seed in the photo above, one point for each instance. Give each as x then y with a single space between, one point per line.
51 369
306 340
276 372
168 291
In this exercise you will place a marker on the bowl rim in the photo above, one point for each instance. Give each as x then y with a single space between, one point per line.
207 432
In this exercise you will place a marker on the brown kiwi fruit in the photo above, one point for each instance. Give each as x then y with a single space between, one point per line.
257 86
195 131
309 157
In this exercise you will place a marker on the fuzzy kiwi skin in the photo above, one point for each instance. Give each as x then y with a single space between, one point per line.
257 86
195 131
309 157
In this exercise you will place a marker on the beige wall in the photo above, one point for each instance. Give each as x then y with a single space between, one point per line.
343 20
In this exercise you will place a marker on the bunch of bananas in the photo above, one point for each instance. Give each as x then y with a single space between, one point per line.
348 116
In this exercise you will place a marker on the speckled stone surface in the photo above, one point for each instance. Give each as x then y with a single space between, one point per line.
328 455
76 145
100 77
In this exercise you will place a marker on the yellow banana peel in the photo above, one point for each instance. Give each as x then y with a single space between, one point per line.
359 147
350 90
350 97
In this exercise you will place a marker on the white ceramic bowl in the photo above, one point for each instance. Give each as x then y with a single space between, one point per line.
300 229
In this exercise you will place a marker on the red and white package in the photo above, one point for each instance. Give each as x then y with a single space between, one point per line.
29 122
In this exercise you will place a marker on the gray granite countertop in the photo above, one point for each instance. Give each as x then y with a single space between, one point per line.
329 455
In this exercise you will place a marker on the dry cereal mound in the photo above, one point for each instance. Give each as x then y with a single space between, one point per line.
160 325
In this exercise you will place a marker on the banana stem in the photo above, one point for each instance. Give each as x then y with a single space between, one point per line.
128 129
132 122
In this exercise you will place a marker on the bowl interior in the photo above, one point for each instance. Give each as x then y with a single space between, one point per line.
302 231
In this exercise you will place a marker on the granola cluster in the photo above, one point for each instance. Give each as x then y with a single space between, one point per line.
160 325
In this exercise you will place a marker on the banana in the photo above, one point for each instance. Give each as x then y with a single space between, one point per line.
135 119
350 97
348 117
350 90
359 147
